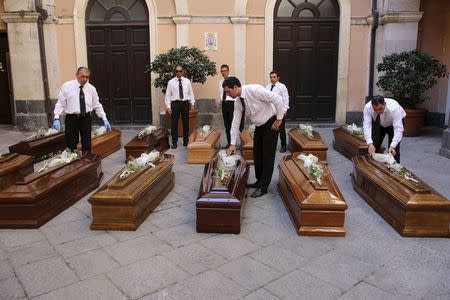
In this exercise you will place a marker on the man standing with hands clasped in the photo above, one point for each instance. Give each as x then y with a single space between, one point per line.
179 96
277 87
383 116
265 109
77 99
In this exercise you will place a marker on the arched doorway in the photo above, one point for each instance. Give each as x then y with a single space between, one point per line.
117 36
306 35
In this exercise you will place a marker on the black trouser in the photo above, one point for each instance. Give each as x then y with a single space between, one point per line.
264 148
282 130
227 113
378 139
180 108
77 126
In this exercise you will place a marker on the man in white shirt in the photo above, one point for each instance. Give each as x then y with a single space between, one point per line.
277 87
179 100
265 109
77 99
227 104
383 116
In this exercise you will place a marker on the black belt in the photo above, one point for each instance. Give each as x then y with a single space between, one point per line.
88 114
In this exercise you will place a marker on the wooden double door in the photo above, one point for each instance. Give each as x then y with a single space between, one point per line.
118 56
5 97
306 55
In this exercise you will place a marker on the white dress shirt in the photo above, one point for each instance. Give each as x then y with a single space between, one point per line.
69 100
281 90
260 106
173 91
393 115
227 98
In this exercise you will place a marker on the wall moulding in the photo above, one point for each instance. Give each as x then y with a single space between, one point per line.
19 17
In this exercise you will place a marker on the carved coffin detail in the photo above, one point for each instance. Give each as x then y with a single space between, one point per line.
42 196
158 140
247 146
298 142
202 148
105 144
220 203
314 209
348 144
39 148
13 168
123 204
413 209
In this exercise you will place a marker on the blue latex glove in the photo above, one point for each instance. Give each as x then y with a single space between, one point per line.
107 125
57 124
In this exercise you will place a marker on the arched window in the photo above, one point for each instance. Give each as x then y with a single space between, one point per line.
307 9
118 11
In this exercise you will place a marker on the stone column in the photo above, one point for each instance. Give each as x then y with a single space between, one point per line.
182 30
240 49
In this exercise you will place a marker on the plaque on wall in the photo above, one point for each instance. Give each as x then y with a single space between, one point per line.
300 141
222 196
14 167
105 143
43 195
313 200
203 145
40 147
407 203
146 141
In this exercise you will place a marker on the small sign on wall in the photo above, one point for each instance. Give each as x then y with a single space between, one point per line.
211 41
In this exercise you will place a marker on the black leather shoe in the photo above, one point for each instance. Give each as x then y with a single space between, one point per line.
283 149
174 146
185 144
253 185
258 193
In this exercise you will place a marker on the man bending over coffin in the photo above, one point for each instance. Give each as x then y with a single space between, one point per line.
266 110
383 116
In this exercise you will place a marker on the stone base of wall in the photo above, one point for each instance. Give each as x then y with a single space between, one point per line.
435 119
354 117
445 150
30 114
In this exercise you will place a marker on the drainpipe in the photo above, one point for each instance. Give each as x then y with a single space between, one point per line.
43 14
373 34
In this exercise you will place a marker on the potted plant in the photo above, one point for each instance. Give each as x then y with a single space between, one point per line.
406 77
197 67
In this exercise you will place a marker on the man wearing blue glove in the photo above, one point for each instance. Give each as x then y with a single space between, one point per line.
77 99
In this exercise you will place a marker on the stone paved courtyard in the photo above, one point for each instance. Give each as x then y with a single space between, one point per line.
167 259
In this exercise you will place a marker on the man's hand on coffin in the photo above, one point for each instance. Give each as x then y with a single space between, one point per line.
169 111
107 125
276 125
57 124
392 151
231 150
371 149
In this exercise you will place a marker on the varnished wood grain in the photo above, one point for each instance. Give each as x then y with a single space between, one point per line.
13 168
247 146
105 144
298 142
41 147
158 140
202 148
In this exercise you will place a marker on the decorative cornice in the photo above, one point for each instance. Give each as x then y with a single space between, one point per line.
181 19
400 17
214 20
239 20
64 20
20 17
361 20
257 20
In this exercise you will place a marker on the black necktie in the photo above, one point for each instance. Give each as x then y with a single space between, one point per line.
82 102
376 132
224 95
242 102
180 89
273 85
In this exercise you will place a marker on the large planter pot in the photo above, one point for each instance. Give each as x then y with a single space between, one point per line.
414 120
192 118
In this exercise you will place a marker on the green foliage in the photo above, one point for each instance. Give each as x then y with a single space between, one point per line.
196 64
408 75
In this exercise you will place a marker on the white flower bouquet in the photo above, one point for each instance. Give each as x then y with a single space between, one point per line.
204 130
98 131
306 130
147 131
393 166
355 130
311 165
138 164
64 157
226 164
42 133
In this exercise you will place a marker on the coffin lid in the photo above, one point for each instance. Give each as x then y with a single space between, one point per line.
203 141
305 142
37 141
11 161
357 140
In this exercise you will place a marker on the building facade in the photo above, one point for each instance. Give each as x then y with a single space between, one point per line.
322 49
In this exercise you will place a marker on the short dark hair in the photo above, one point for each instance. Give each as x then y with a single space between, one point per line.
224 66
231 82
83 69
376 100
275 72
179 66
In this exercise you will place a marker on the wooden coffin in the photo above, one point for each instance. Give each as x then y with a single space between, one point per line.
123 204
299 142
220 204
347 144
158 140
105 144
314 209
13 168
413 209
192 119
42 196
39 148
247 146
202 148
